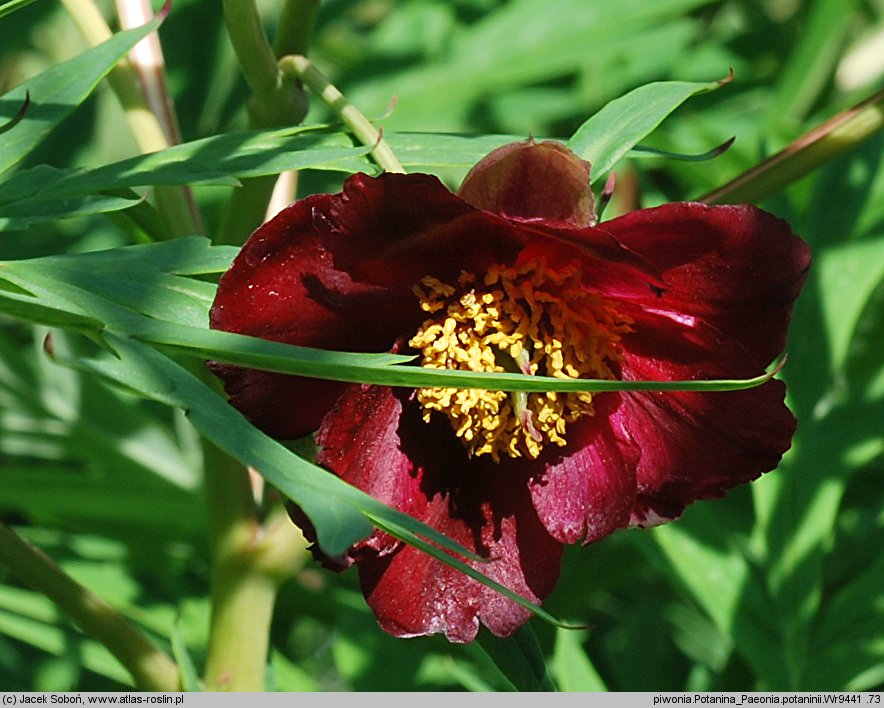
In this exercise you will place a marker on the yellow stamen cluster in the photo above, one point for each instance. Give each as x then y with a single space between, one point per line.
532 319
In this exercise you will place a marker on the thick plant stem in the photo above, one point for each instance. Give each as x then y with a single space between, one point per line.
242 607
297 20
245 210
302 69
151 669
233 527
275 103
249 561
249 558
174 203
255 56
812 150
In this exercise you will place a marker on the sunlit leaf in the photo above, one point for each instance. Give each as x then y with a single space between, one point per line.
56 92
612 132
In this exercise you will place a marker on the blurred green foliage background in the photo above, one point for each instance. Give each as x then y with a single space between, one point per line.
780 586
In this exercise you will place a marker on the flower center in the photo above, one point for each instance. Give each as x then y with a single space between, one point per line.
532 319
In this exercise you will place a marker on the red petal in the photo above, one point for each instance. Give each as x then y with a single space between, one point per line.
588 489
530 181
698 445
380 444
730 276
335 272
396 229
728 279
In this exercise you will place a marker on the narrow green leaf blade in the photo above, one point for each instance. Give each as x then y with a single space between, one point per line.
217 160
190 680
13 5
46 210
519 658
56 92
572 668
621 124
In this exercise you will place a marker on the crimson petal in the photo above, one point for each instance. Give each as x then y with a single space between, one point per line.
335 272
376 440
699 445
716 313
734 271
587 490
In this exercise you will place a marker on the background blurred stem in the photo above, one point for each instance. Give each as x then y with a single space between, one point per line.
151 669
249 561
297 20
174 203
812 150
275 101
147 59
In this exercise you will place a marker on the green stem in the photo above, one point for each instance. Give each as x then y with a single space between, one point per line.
302 69
249 561
275 103
151 669
233 524
174 203
297 20
255 56
245 210
812 150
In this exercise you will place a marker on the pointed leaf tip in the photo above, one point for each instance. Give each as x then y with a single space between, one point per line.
727 79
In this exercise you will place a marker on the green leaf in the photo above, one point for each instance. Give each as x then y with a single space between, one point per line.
856 611
218 160
641 151
621 124
812 62
289 676
13 5
521 44
176 318
23 305
21 215
56 92
519 658
17 118
728 592
44 193
571 666
56 641
423 150
849 275
190 680
332 505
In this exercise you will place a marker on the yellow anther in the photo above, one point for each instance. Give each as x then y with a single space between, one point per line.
533 319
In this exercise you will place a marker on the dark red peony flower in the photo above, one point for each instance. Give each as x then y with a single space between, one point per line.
514 274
